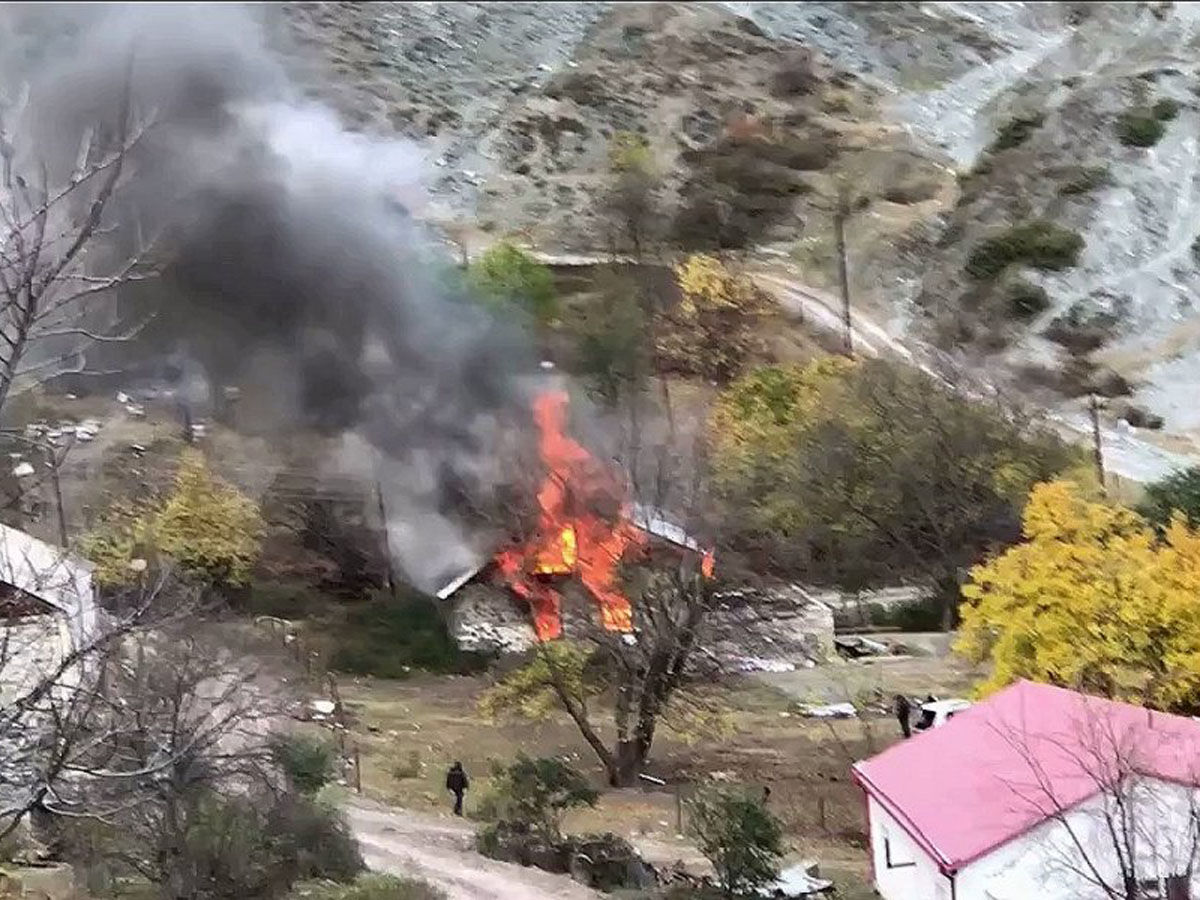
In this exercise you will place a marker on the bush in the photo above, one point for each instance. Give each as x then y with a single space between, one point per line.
407 766
739 836
1196 250
1179 491
245 846
307 762
1139 129
1086 179
1026 300
375 886
389 638
1037 243
1016 131
1165 110
536 792
312 840
914 617
1140 417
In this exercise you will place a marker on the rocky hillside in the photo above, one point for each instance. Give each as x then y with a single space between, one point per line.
1022 176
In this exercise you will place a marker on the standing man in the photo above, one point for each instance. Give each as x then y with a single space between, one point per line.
903 711
457 782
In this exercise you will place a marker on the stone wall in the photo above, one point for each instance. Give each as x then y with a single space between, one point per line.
750 629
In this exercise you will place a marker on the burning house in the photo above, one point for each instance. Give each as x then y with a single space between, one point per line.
567 569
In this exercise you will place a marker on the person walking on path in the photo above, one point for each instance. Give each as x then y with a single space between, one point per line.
457 782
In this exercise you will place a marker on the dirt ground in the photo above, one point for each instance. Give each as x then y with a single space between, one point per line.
409 732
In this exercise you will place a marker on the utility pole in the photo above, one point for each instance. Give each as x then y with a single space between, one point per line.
839 233
1097 447
52 464
387 537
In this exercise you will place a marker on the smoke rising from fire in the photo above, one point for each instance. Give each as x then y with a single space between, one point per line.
295 271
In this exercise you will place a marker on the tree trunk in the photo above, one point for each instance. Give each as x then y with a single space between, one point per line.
631 756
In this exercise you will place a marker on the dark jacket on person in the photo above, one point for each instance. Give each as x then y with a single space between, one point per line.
456 779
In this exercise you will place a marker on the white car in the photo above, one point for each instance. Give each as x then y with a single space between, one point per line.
937 713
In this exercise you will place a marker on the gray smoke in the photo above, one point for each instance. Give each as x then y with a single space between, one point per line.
294 266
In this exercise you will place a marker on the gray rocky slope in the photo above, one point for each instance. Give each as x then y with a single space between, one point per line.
515 106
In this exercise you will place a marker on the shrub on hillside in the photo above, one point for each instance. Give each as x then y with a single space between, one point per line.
1086 179
389 638
1138 128
1036 243
1026 300
1017 131
1165 110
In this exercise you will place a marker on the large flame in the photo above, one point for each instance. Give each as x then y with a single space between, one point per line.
573 536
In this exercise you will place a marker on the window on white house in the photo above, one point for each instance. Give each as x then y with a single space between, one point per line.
887 856
1173 887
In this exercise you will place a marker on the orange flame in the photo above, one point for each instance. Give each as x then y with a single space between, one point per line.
708 563
571 537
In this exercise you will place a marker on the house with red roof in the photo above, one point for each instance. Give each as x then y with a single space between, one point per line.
1039 793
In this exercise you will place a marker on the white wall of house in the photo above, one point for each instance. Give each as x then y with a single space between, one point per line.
1045 863
903 871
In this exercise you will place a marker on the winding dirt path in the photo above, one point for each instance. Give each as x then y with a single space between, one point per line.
440 852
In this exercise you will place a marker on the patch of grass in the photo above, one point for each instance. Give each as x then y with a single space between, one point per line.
1138 128
374 886
1036 243
1017 131
1085 180
390 638
1026 300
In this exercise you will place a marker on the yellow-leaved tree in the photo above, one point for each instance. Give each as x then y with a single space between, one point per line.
712 331
1093 599
205 525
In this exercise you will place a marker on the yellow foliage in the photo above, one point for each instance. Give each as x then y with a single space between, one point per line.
205 525
1092 599
630 152
529 691
711 332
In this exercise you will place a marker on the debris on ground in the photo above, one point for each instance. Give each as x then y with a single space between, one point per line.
855 646
830 711
22 470
800 880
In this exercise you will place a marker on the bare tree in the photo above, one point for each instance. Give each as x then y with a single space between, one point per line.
56 722
1122 829
189 717
642 676
59 257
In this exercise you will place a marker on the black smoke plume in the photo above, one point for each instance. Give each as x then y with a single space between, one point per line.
293 269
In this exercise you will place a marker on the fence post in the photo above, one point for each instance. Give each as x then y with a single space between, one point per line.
357 768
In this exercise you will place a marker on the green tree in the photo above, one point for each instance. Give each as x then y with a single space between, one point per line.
739 836
307 762
507 276
870 473
1179 491
205 525
613 350
1093 599
630 201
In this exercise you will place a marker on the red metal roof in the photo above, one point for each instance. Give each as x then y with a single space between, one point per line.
1001 767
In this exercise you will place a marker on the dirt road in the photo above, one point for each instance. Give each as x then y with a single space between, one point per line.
440 852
